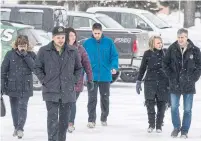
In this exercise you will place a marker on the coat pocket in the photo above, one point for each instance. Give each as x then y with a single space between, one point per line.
27 85
11 85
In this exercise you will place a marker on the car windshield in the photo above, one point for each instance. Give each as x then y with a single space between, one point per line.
156 20
109 22
34 18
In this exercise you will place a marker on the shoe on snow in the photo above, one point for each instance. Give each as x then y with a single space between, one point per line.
175 133
103 123
158 130
91 125
71 128
15 133
20 134
150 129
184 135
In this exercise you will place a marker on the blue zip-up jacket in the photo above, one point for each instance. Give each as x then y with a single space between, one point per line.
103 57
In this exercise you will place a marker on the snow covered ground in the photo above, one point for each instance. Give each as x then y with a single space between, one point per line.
127 120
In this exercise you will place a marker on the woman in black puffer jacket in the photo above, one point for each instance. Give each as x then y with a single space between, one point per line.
155 83
17 81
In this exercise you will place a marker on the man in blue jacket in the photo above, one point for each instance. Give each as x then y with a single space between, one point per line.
104 62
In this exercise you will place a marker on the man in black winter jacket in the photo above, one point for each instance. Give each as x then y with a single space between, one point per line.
58 67
182 65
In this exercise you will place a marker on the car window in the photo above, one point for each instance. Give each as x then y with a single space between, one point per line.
81 22
60 18
109 22
129 20
159 23
114 15
32 17
5 14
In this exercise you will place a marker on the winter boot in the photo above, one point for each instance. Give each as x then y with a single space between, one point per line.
20 134
150 129
91 125
158 129
175 133
103 123
184 135
71 128
15 133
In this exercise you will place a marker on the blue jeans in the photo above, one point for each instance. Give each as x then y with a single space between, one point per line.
188 103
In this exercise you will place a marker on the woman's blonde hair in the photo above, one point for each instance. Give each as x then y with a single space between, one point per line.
22 40
151 41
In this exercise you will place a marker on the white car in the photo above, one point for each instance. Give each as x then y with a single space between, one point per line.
140 19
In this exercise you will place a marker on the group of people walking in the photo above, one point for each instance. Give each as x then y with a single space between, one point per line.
170 74
60 66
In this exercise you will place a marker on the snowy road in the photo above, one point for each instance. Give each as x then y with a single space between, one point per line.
127 120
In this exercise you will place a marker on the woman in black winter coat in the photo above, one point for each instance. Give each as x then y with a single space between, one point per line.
155 84
17 81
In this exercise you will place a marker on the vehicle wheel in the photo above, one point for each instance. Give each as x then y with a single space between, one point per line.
37 86
130 76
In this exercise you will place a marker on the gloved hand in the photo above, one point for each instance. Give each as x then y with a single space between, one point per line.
23 53
167 105
90 85
2 92
138 87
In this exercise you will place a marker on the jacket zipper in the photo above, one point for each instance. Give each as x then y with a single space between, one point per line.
99 61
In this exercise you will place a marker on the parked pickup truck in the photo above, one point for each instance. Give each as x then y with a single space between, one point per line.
130 44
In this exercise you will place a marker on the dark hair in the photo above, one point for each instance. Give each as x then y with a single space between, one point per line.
68 30
22 40
97 26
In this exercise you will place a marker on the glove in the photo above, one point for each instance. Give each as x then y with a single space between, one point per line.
138 87
23 53
167 105
90 85
2 92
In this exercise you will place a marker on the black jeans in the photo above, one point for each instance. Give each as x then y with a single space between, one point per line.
73 110
57 120
19 111
153 118
104 88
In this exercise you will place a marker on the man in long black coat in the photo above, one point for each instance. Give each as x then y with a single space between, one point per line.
182 65
58 67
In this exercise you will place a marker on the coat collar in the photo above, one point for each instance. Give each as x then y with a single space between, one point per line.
50 47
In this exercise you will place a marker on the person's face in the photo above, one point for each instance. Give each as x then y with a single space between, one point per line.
182 39
22 47
158 44
59 40
97 34
72 37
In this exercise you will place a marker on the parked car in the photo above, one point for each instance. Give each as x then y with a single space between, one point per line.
9 33
131 18
43 17
130 44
